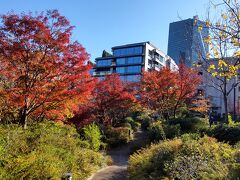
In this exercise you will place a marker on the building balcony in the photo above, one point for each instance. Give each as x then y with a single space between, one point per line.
102 73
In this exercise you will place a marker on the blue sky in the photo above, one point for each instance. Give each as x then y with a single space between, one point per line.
101 24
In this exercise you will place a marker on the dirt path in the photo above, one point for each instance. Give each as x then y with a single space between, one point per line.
120 155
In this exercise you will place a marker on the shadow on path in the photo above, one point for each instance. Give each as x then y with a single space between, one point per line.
120 155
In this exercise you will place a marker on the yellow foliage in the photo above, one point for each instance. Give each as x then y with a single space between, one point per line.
224 16
215 51
208 39
208 55
211 67
207 23
200 28
222 63
235 42
237 54
214 74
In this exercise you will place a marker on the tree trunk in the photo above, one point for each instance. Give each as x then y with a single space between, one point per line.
174 112
226 108
225 100
23 118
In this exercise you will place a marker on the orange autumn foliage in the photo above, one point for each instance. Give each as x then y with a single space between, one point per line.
43 74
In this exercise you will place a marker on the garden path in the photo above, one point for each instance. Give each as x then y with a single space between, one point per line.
120 155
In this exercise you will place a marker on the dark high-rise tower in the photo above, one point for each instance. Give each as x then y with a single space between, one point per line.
186 41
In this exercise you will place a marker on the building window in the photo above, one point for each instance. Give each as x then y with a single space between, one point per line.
121 61
200 92
120 70
134 69
123 78
134 60
156 55
133 78
128 51
102 78
161 58
149 53
104 62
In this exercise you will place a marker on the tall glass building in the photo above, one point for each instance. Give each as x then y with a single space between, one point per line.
130 60
186 41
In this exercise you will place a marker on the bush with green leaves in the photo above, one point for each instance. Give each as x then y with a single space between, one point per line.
226 133
149 163
160 130
118 135
134 124
145 120
190 124
172 131
156 131
92 135
187 158
45 151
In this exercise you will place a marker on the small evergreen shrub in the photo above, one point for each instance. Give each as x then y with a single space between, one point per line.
149 163
126 124
92 135
117 136
145 120
188 158
172 131
226 133
134 125
45 151
190 124
156 131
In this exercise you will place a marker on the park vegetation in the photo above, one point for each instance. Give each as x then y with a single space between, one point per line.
55 118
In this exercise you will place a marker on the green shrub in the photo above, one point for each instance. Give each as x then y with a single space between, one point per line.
126 124
203 159
134 125
172 131
226 133
45 151
149 163
190 136
92 135
191 124
156 132
200 158
145 120
118 135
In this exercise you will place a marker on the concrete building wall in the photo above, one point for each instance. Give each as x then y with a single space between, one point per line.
212 91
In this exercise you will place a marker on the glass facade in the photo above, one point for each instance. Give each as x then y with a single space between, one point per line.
161 58
128 70
130 78
126 61
104 62
134 60
183 39
121 61
128 51
120 70
129 60
133 78
133 69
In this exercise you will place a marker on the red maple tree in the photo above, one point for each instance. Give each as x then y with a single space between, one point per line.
188 81
165 91
158 90
43 74
111 102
